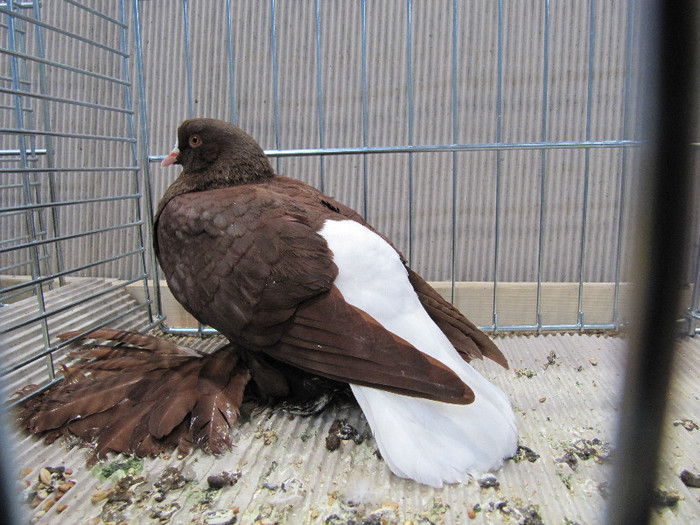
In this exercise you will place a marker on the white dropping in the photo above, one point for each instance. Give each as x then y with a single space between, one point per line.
428 441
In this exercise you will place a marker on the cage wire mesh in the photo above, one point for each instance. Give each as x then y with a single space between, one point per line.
495 143
71 220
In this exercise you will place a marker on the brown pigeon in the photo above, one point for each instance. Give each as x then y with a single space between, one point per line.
293 277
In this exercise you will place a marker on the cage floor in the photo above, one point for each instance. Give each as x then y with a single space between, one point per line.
565 390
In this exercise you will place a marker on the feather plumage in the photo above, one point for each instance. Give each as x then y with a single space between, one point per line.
142 395
299 284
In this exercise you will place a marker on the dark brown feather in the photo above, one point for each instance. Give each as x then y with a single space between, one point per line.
143 396
215 414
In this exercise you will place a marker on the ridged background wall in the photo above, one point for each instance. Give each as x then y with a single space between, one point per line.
287 99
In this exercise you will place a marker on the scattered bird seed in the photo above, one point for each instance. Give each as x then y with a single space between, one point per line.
687 424
225 479
488 481
45 476
220 517
665 498
524 453
524 372
689 479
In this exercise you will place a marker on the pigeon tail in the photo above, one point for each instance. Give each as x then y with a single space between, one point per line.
435 443
428 441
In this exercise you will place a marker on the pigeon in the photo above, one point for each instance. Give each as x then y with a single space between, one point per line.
296 279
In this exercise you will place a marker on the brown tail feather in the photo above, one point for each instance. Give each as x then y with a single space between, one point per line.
137 339
142 396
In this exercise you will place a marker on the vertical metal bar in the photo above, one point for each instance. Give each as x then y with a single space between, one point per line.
35 259
409 88
319 87
671 34
543 165
188 61
587 163
455 129
275 78
231 77
625 162
145 145
365 113
499 168
48 145
134 155
695 297
190 94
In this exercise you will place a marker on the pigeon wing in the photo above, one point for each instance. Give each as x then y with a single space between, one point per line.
251 264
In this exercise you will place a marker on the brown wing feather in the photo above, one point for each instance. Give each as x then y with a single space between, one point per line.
154 345
339 341
469 341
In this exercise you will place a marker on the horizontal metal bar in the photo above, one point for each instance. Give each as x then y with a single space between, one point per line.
87 233
32 20
40 132
12 152
574 327
26 4
8 187
21 81
442 147
607 327
62 344
8 160
692 312
70 169
24 110
452 148
187 331
28 262
60 65
14 239
97 13
28 207
72 102
64 273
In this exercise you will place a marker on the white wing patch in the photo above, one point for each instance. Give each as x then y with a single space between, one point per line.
425 440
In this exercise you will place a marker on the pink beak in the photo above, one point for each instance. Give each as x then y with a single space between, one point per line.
171 158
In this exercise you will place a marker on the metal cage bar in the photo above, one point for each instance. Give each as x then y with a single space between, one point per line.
499 147
44 177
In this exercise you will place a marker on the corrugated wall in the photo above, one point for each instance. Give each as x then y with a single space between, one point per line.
525 80
526 113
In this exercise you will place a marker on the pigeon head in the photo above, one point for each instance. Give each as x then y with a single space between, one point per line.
214 153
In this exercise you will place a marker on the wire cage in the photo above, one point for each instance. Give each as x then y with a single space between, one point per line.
497 144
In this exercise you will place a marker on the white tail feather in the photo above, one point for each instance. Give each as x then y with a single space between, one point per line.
428 441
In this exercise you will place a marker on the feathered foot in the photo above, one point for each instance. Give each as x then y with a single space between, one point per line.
143 395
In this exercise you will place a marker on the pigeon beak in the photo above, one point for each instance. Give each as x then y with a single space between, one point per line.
171 158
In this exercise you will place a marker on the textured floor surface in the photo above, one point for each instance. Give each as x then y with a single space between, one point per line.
565 390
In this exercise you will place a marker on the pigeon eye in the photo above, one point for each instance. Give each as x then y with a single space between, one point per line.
195 140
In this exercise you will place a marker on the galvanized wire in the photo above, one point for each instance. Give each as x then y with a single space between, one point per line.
40 182
544 144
